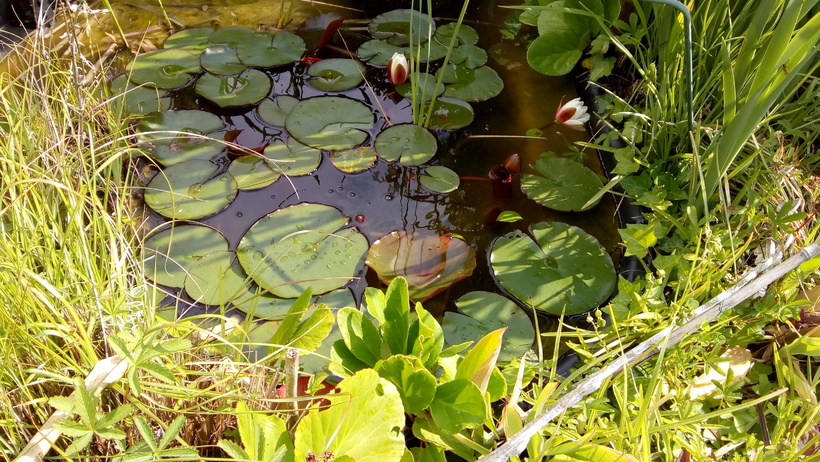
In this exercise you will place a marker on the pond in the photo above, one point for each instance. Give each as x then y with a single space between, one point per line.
282 160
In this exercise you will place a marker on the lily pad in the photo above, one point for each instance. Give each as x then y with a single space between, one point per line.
377 52
471 84
408 143
427 51
425 87
429 263
166 68
264 50
564 184
294 158
466 35
397 27
559 270
439 179
336 74
157 138
486 312
249 87
301 246
330 122
221 59
450 114
169 254
216 279
275 111
190 190
252 172
137 100
232 36
469 56
194 40
354 160
261 304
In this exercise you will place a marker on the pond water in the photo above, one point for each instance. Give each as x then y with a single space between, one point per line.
388 196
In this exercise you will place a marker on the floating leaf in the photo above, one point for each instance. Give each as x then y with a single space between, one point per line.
336 74
450 114
508 216
261 304
190 190
157 138
354 160
486 312
469 56
275 111
301 246
330 122
167 68
252 172
425 85
221 59
471 84
564 184
194 40
466 35
413 144
377 52
137 100
439 179
427 51
397 26
294 158
563 270
429 263
168 255
232 36
216 279
249 87
264 50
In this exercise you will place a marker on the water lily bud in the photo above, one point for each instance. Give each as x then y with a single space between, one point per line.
398 68
573 114
513 163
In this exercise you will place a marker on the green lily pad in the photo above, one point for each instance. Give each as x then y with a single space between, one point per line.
413 144
275 111
564 184
252 172
486 312
194 40
469 56
294 158
169 254
471 84
439 179
265 50
354 160
221 59
336 74
330 122
166 68
377 52
249 87
261 304
466 34
425 87
450 114
216 279
563 270
190 190
397 26
429 263
137 100
199 141
301 246
427 51
232 36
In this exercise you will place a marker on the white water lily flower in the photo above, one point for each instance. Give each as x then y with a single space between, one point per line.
573 114
398 68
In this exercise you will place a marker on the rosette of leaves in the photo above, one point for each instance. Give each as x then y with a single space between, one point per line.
557 268
562 184
172 137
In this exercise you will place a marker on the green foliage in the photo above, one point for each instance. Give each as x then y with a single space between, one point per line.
151 449
264 437
90 423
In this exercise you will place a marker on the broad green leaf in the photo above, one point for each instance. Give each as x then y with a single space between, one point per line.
216 279
439 179
330 122
426 430
114 416
398 26
190 190
263 435
469 84
275 111
479 363
313 330
508 216
252 172
336 74
555 52
172 431
375 303
360 335
409 144
469 56
169 254
430 340
589 452
496 386
396 325
194 40
562 184
285 333
354 159
377 52
138 100
638 238
449 114
167 69
424 84
465 35
342 361
416 386
221 59
261 49
429 453
249 87
200 138
293 158
363 422
458 404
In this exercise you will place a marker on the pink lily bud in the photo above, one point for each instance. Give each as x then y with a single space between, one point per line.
398 68
573 114
513 163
